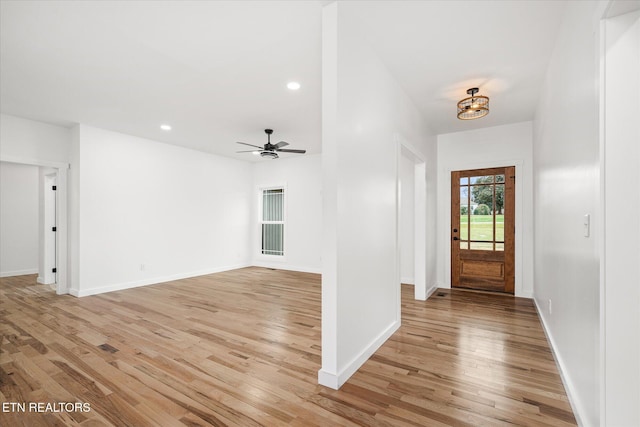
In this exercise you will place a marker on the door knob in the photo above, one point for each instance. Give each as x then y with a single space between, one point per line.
455 238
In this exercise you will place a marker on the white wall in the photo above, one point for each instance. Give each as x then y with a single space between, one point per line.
18 219
149 212
23 139
566 186
407 207
302 177
365 117
497 146
621 264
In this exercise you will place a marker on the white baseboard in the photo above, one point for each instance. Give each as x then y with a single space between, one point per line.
335 381
151 281
18 272
44 282
285 266
572 394
431 291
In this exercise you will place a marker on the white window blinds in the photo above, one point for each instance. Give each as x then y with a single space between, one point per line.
273 221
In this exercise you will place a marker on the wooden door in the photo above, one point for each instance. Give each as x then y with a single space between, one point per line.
482 229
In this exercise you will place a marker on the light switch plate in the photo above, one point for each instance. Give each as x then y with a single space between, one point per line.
586 224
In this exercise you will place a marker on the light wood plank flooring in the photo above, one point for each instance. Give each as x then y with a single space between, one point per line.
242 348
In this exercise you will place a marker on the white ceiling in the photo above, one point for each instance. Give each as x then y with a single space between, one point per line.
216 71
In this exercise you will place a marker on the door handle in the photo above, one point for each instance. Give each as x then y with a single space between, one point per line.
455 238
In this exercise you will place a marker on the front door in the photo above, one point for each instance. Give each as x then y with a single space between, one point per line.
482 229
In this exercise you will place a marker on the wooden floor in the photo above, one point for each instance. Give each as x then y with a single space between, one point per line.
242 348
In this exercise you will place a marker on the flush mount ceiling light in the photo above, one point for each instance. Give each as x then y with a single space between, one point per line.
474 106
165 127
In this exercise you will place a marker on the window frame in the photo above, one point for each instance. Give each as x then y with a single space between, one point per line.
261 255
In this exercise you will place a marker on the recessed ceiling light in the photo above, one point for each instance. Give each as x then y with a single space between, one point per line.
165 127
293 85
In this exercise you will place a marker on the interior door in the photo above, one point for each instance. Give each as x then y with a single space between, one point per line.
482 229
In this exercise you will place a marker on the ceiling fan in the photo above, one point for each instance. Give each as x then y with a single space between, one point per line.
270 150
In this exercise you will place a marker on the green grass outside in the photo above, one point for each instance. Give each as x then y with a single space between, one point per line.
482 227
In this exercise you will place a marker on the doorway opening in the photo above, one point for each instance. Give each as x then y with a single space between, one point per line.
412 220
52 228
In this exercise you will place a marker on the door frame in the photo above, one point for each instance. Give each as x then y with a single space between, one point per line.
421 289
458 256
519 229
62 169
49 250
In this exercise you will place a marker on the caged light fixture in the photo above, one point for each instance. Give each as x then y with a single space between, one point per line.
474 106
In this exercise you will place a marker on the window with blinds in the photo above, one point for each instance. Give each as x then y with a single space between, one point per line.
272 221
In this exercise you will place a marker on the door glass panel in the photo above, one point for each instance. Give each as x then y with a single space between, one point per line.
482 212
483 246
500 227
499 199
464 198
482 219
464 227
482 179
464 213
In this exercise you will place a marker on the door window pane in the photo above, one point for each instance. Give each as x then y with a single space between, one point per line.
464 227
499 198
484 246
481 224
482 213
482 179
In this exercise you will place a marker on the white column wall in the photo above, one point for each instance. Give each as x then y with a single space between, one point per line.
302 177
508 145
407 207
18 219
621 266
566 187
365 116
149 212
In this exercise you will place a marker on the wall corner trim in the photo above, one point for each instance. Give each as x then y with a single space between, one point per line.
336 380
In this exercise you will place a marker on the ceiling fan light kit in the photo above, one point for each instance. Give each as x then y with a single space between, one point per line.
473 107
270 150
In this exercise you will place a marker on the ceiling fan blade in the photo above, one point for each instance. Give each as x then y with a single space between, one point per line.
284 150
248 151
250 145
281 144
